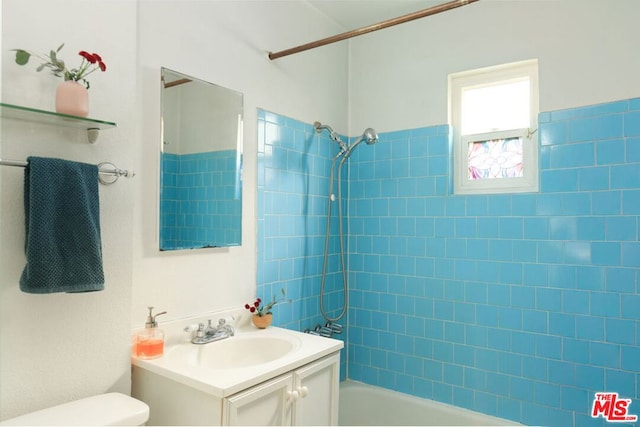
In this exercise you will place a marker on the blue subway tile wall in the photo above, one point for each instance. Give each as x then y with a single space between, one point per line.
294 164
521 306
201 200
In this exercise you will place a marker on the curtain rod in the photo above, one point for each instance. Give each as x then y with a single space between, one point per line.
375 27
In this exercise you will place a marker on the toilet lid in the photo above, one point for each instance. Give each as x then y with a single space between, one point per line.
111 409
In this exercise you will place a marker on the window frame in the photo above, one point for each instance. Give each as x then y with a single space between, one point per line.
489 76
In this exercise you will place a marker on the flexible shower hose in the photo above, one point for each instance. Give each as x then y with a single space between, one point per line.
345 283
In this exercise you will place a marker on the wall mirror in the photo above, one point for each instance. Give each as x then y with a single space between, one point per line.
200 164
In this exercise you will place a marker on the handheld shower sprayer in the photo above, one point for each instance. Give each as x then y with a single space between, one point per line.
369 136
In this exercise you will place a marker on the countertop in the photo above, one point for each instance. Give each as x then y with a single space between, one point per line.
225 382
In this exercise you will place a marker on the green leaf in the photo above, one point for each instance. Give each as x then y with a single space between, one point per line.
22 57
52 55
60 48
58 64
41 67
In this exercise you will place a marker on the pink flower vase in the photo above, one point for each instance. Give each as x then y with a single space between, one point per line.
72 98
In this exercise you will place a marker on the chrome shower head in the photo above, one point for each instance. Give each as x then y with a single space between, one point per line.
334 136
369 136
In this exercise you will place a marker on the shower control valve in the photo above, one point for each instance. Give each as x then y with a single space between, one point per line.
324 331
335 327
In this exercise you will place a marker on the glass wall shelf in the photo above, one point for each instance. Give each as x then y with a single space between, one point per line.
17 112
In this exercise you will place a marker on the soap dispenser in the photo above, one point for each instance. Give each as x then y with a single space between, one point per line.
149 343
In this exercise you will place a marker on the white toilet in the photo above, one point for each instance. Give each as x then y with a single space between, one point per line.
111 409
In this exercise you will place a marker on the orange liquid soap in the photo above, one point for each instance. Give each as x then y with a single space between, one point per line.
149 348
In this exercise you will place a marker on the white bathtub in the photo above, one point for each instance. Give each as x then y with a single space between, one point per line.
365 405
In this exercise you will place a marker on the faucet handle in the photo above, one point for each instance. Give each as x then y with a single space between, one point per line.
222 324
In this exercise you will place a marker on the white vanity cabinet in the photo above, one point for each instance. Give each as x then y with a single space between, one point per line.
306 396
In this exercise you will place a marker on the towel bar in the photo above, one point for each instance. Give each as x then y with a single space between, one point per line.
114 172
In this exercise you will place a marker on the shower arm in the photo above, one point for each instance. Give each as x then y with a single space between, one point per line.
333 135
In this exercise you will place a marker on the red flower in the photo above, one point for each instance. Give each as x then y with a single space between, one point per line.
258 309
89 57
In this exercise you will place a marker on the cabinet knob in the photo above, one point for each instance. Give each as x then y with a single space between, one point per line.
303 391
293 395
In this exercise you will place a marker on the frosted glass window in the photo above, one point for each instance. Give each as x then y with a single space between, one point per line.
503 106
498 158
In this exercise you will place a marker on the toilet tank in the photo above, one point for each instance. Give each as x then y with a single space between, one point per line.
111 409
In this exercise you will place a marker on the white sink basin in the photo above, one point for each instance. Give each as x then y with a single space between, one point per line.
225 367
234 352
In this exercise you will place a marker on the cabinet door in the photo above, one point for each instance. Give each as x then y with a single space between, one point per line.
317 392
267 404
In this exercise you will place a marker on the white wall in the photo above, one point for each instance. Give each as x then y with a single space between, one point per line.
586 51
58 347
225 43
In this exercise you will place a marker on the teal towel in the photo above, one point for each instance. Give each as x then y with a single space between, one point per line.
62 219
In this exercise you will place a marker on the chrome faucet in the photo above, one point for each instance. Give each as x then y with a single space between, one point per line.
210 333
